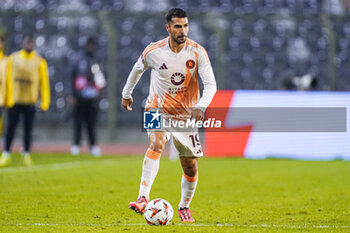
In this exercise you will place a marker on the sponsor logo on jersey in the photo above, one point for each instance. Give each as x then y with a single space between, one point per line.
151 120
177 79
23 81
190 64
177 90
163 67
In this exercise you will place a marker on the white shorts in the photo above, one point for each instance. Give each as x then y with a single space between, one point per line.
186 143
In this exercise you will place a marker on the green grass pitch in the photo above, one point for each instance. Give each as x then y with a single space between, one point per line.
61 193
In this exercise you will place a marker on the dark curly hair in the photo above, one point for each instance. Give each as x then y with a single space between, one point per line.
175 13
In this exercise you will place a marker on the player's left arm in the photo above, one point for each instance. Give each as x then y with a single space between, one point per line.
44 85
207 76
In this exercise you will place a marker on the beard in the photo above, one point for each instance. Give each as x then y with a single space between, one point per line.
180 39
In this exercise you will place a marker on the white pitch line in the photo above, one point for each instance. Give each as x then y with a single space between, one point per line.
181 224
55 166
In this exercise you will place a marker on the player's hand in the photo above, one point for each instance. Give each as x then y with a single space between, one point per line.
127 103
197 114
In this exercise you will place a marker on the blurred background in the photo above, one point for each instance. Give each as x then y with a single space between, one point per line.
252 44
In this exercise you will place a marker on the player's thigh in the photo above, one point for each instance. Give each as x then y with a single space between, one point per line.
188 144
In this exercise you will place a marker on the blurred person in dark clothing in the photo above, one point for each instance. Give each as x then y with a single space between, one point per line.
87 82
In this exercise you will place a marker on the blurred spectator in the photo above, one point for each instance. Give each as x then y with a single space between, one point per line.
298 51
28 73
334 7
303 83
88 81
3 80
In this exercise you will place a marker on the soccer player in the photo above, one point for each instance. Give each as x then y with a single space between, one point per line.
176 62
28 73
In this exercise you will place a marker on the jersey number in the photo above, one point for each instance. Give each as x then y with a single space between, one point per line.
195 140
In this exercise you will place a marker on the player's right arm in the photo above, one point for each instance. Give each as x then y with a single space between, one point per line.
126 103
9 98
139 68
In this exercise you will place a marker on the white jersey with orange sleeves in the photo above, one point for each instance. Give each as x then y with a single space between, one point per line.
174 77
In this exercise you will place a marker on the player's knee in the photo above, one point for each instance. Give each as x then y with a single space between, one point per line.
191 171
157 144
157 147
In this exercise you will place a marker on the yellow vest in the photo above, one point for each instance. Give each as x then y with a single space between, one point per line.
29 76
3 63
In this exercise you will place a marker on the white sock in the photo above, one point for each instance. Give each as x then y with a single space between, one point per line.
149 172
187 191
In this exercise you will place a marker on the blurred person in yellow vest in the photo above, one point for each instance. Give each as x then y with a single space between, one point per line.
28 73
4 83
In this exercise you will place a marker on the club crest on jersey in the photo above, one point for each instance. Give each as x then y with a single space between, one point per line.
177 79
190 64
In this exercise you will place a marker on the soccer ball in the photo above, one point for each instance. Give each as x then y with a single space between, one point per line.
158 212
